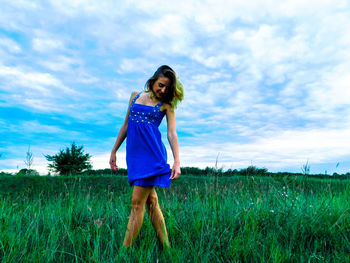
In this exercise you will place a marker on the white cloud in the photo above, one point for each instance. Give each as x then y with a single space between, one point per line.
169 34
333 89
284 149
253 71
101 161
28 78
47 45
132 65
60 63
36 127
10 45
102 9
39 164
86 78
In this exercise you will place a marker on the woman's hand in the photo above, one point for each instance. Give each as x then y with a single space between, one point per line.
175 172
113 162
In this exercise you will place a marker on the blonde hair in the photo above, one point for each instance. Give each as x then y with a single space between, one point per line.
179 94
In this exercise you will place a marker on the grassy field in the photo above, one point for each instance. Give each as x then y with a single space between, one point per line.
209 219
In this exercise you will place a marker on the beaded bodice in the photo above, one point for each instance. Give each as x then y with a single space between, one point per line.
145 114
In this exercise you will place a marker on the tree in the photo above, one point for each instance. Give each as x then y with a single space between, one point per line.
69 161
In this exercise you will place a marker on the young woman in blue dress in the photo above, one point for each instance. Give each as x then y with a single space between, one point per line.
145 152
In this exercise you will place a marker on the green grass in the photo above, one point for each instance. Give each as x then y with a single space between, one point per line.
226 219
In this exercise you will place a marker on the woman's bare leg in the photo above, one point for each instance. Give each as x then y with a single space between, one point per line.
157 219
138 201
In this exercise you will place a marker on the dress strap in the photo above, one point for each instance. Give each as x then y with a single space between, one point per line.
138 95
159 104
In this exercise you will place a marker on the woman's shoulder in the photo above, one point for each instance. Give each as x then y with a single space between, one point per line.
134 94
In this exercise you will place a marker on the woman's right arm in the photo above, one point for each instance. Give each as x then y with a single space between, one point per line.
121 136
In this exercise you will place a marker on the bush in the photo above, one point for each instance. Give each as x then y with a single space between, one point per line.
5 174
26 171
69 162
253 170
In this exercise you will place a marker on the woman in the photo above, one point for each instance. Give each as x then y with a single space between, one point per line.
146 155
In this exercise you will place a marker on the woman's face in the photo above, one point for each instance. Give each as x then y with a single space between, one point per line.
161 87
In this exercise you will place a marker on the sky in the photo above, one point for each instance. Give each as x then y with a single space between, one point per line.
267 83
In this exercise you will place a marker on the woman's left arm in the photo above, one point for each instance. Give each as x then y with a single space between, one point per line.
174 144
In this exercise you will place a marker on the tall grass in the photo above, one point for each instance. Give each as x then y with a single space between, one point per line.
236 219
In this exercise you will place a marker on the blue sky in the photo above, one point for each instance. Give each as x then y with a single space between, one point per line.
267 83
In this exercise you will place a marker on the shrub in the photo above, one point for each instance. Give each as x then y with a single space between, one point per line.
70 161
253 170
26 171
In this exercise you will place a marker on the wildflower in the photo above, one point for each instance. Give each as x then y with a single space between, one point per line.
98 222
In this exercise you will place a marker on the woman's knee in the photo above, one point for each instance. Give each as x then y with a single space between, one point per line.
152 201
136 204
139 197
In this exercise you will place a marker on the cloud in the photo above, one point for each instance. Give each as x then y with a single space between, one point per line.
38 81
257 75
45 45
132 65
36 127
101 161
333 89
34 89
285 149
10 45
60 63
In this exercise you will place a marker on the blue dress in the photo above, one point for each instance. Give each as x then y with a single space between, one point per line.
146 156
